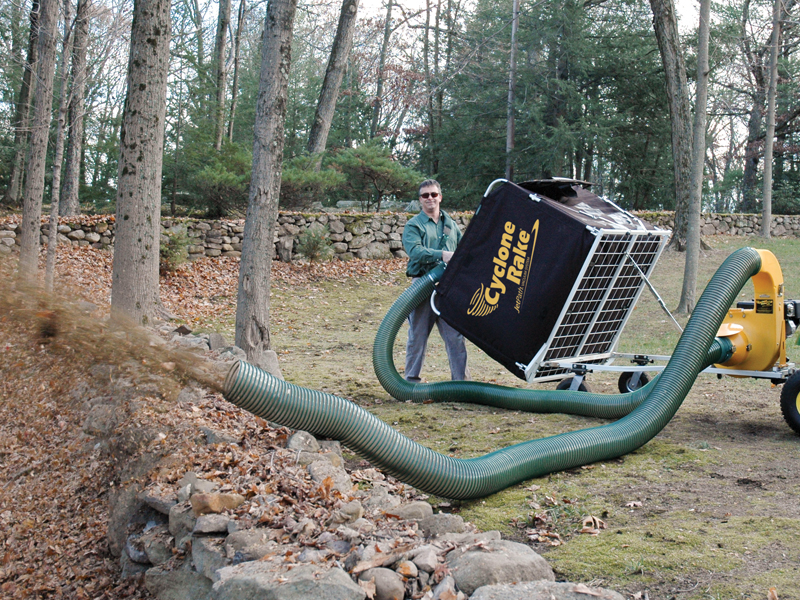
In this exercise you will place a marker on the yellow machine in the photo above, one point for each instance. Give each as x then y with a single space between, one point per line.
757 329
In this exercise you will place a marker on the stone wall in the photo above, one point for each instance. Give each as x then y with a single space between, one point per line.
353 235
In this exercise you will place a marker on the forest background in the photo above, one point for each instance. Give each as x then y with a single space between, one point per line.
424 93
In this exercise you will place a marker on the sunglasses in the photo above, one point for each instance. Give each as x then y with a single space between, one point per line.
432 195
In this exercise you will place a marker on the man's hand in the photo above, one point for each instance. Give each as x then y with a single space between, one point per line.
446 256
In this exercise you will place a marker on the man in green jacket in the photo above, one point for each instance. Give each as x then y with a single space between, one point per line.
429 239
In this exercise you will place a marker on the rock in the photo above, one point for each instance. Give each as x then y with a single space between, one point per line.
211 524
257 581
232 353
217 341
303 441
373 250
407 568
426 559
496 562
441 523
159 500
216 437
181 523
190 342
215 503
78 234
208 555
413 511
124 506
388 584
379 498
101 420
284 247
199 486
92 237
135 550
348 513
249 544
445 589
321 470
179 584
157 544
544 590
460 539
268 361
131 568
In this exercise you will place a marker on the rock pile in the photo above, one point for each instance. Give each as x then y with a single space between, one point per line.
223 505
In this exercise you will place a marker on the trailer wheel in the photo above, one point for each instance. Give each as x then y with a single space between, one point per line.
565 384
790 401
625 386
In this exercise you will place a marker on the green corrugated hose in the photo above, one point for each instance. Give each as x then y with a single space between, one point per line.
331 416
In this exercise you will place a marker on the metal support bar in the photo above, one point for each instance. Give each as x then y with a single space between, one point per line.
655 293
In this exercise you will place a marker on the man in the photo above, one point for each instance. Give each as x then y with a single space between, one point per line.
430 239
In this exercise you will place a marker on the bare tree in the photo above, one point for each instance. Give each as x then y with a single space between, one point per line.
766 214
689 290
376 106
70 203
665 24
220 71
134 286
237 41
252 304
512 76
22 112
337 63
37 151
58 158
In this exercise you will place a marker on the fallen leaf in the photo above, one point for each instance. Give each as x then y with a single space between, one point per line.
772 594
368 587
634 504
582 589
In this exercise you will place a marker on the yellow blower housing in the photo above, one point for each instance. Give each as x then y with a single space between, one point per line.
757 329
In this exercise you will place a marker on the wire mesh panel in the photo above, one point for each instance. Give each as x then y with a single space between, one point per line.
601 300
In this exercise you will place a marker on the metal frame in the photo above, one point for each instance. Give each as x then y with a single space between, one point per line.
606 290
586 366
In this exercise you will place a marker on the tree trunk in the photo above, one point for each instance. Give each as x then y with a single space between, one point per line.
689 290
343 41
429 90
376 106
666 27
134 286
512 76
252 305
70 203
37 151
220 72
58 155
766 214
22 113
235 84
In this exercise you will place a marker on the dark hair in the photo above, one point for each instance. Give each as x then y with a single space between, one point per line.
429 183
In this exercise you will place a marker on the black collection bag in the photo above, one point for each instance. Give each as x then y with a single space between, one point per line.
516 265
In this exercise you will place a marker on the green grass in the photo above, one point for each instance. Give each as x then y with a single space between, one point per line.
719 486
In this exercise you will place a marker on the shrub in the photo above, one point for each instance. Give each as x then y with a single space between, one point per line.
314 244
302 185
174 250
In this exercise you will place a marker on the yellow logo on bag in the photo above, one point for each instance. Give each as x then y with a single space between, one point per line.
511 264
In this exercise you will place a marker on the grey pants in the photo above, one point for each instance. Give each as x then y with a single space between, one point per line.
420 325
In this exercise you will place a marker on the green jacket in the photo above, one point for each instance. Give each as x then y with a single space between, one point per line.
424 240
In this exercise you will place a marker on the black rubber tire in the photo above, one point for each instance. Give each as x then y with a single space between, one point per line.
790 401
565 384
625 379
